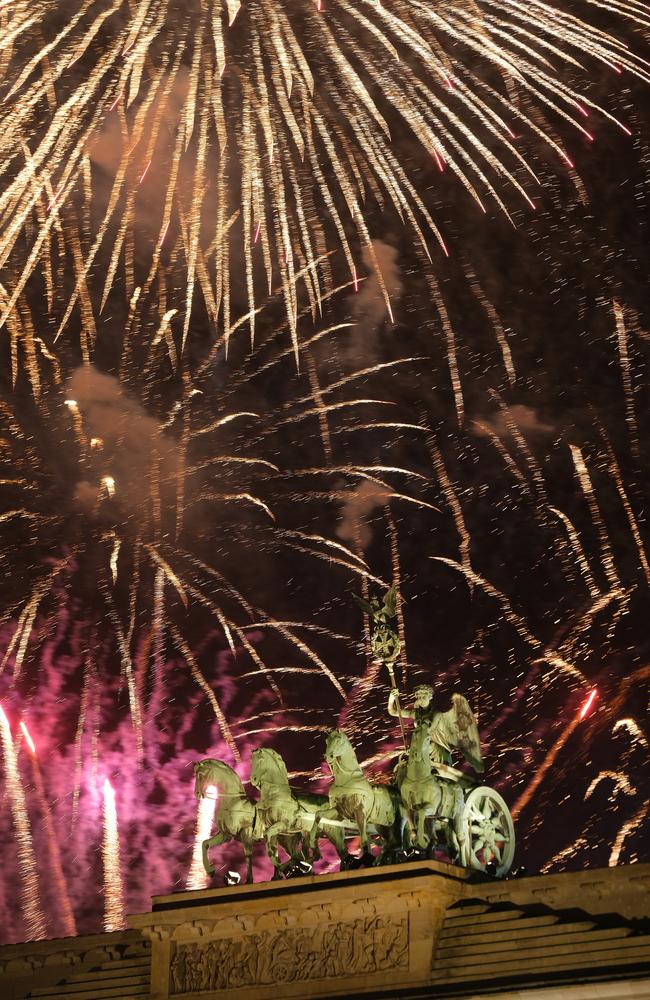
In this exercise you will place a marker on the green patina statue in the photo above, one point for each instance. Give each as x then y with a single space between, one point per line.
429 806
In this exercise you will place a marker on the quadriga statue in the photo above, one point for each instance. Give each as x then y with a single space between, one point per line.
428 806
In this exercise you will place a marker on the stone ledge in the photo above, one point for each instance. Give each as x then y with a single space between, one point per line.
419 930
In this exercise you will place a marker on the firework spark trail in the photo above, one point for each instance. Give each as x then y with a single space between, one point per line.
63 899
634 730
113 889
81 723
587 487
626 373
354 711
515 431
620 781
577 547
397 583
629 827
207 689
450 340
509 461
614 469
197 877
35 926
464 540
551 757
579 629
495 321
306 128
548 761
317 396
569 851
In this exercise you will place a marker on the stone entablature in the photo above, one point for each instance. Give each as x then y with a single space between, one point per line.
327 951
624 889
316 936
424 929
76 966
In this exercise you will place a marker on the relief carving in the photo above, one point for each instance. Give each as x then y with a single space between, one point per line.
359 947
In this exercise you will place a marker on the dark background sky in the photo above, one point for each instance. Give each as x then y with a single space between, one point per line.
526 639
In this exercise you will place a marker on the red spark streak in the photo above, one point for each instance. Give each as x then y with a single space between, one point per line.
587 705
28 740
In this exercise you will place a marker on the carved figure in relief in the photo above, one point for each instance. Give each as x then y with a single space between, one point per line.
328 951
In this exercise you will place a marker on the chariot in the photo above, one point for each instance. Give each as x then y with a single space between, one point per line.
428 808
488 835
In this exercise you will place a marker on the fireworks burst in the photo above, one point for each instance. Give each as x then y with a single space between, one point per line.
197 877
138 518
166 165
63 899
212 132
113 889
30 900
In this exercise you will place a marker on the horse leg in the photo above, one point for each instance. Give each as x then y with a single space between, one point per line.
328 812
336 836
453 846
458 830
271 839
388 845
364 840
401 826
311 853
421 838
292 845
409 838
248 851
219 838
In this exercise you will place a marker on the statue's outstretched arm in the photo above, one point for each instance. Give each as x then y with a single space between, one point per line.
392 706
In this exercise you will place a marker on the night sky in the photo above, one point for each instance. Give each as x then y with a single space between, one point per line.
168 586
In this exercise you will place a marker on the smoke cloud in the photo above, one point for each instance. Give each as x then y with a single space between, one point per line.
124 440
361 503
526 419
369 305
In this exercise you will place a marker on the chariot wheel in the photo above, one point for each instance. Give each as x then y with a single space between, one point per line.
489 832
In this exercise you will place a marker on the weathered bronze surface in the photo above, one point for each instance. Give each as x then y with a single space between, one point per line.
429 805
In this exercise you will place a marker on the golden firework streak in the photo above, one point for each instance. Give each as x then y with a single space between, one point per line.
35 926
113 890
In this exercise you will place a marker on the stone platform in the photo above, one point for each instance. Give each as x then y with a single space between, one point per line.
424 929
419 930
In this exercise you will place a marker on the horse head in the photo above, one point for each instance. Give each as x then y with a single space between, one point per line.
212 773
337 746
267 765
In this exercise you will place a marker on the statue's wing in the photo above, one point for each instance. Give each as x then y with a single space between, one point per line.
364 605
390 602
457 728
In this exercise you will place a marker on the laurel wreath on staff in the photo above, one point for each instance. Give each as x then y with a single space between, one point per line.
384 640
